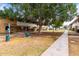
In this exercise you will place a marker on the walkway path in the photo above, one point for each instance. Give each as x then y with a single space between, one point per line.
59 48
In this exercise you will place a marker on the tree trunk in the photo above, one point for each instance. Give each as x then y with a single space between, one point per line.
40 25
53 29
39 30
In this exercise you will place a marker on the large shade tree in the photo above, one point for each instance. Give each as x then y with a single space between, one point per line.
40 13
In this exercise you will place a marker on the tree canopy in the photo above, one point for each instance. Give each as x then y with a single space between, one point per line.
40 13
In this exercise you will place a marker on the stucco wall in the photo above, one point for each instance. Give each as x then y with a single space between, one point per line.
2 25
4 22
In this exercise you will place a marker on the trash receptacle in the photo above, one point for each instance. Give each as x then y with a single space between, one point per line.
27 34
7 37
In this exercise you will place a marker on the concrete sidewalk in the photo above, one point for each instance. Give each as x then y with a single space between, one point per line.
59 47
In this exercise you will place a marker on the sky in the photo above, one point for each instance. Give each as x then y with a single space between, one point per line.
78 8
2 5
